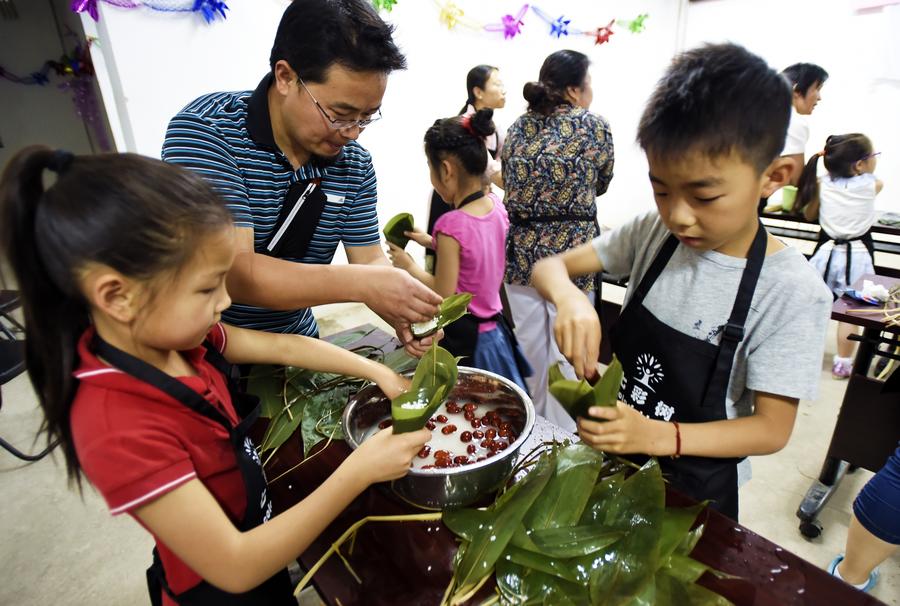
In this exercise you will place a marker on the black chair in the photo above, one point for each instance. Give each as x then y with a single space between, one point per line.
12 362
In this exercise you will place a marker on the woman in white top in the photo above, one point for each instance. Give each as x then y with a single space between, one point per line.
806 80
843 201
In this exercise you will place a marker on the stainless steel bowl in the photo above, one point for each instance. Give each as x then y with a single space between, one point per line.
456 486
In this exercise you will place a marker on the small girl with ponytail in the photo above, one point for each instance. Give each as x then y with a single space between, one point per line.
843 201
121 265
470 245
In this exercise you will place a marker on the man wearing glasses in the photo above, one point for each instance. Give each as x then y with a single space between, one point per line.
284 157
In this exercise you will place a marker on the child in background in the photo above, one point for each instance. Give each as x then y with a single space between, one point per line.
121 265
844 203
720 330
470 244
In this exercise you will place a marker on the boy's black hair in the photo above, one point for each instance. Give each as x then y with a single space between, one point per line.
315 34
802 76
461 137
718 99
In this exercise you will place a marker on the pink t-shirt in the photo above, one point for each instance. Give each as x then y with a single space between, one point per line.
482 256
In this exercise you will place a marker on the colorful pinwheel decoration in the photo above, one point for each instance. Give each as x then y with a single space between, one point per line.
636 25
387 5
210 10
510 25
602 34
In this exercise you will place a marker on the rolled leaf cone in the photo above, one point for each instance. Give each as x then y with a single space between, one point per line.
394 229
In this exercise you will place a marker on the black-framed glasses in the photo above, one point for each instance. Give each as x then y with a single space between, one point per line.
341 124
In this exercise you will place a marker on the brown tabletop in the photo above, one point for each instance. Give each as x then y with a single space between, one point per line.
841 307
411 563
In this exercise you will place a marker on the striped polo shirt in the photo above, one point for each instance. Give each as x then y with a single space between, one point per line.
227 138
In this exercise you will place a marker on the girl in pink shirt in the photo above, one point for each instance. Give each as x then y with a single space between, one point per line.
470 242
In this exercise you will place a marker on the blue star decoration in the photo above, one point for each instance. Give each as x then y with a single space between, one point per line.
560 27
210 9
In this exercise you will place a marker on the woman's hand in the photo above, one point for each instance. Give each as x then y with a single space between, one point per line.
420 237
399 257
385 456
624 430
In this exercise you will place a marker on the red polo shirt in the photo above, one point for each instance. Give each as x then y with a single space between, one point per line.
135 443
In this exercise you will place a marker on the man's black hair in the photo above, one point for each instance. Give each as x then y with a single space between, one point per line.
315 34
803 76
718 99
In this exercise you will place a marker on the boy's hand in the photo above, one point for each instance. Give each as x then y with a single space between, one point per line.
624 430
385 456
399 257
577 331
420 237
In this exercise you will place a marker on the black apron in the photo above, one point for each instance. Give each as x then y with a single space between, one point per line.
675 377
866 239
277 590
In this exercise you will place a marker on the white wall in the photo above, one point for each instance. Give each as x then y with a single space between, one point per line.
859 50
157 62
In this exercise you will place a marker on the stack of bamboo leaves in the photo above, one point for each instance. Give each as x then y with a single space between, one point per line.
576 530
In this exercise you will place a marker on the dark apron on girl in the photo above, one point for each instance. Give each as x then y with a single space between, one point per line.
675 377
275 591
866 239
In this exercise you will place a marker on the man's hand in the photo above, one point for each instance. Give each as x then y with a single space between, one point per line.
399 298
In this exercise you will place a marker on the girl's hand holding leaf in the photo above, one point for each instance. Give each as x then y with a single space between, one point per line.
386 456
399 257
420 237
621 429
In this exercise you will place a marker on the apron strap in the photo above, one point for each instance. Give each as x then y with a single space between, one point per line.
170 386
733 332
659 263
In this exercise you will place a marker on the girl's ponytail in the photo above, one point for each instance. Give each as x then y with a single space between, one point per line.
807 203
54 319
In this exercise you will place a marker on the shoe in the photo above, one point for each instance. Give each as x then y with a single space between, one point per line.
865 587
841 370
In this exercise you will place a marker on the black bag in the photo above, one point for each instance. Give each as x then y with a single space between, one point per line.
297 220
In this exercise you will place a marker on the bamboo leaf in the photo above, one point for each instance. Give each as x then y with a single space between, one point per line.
399 361
435 377
670 590
344 339
267 383
568 491
453 308
676 525
558 567
321 417
574 541
487 546
396 225
522 586
282 427
607 388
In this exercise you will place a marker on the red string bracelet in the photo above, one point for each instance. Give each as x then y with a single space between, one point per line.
677 440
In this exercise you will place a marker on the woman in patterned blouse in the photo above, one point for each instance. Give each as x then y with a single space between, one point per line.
557 158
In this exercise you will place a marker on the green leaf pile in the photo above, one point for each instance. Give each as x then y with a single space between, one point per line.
575 530
577 396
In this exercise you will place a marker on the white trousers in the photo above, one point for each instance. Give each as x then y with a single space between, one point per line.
534 318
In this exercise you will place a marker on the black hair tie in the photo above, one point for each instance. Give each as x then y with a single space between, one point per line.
60 161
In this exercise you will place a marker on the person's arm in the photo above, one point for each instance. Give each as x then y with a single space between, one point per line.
193 525
577 327
879 185
264 281
797 164
244 346
625 430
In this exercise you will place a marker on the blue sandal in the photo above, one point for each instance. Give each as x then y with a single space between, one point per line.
869 584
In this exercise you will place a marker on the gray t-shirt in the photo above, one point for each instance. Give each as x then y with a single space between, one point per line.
785 330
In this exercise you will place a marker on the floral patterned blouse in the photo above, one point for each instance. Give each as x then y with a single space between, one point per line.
554 167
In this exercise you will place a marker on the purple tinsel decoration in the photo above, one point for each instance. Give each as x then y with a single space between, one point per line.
87 107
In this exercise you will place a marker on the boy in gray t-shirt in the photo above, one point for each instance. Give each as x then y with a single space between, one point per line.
723 326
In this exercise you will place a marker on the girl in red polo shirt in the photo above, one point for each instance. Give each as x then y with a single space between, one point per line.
122 265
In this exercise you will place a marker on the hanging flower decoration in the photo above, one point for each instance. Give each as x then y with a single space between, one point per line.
636 25
558 27
210 10
387 5
510 25
450 14
602 34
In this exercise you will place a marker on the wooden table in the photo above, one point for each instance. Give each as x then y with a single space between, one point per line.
411 563
868 424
